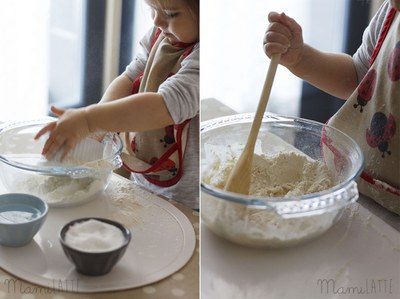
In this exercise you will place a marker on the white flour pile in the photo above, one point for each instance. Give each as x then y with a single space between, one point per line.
62 190
94 236
87 161
283 174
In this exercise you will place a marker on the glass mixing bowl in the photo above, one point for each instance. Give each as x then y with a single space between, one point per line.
75 181
260 221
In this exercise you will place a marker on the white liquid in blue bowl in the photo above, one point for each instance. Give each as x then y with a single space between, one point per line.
18 213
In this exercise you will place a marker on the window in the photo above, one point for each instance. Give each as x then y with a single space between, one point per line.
23 59
66 52
51 52
234 67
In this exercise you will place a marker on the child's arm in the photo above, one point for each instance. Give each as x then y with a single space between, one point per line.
333 73
139 112
120 87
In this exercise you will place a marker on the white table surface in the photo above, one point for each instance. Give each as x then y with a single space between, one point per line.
359 257
184 283
360 251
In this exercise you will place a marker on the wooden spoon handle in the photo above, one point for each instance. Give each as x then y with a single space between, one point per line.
239 178
262 104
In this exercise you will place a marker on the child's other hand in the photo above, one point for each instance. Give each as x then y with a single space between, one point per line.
284 36
67 131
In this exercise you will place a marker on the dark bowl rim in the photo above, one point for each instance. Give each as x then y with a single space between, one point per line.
42 216
125 231
264 202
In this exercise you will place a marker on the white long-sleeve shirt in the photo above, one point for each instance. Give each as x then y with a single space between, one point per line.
181 96
370 37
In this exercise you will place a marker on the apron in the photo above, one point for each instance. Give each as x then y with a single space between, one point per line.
158 154
371 117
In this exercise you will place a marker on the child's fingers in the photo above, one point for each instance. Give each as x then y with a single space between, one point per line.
57 111
286 20
47 145
276 43
68 146
275 48
45 129
290 23
273 16
282 18
277 28
53 144
277 38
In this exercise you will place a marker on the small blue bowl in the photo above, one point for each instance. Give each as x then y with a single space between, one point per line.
21 217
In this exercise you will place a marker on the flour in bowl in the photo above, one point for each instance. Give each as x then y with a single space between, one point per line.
285 174
62 190
282 175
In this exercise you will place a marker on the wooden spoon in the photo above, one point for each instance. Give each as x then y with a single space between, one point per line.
239 178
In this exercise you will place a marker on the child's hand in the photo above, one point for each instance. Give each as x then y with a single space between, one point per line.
284 36
67 131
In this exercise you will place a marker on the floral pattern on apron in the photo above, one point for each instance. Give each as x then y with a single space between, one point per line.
158 154
371 116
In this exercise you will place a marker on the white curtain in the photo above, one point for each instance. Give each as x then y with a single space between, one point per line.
23 59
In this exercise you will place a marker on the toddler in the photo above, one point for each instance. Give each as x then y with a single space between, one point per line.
155 102
369 82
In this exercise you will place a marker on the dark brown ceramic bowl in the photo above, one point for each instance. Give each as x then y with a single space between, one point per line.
94 263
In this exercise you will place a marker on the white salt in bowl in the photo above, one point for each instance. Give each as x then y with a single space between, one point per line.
88 259
273 222
74 181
